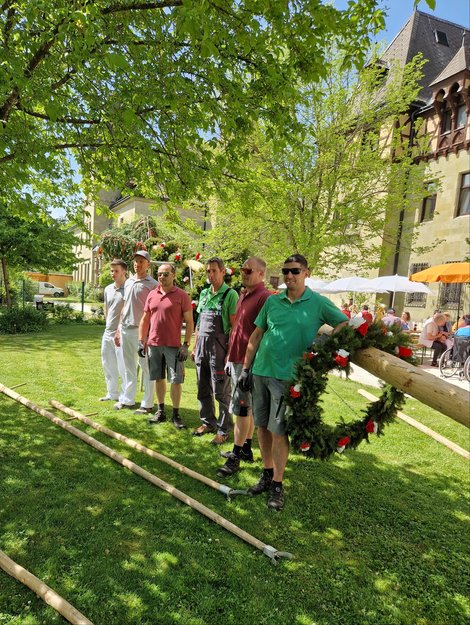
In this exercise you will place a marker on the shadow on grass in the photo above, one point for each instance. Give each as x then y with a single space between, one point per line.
375 542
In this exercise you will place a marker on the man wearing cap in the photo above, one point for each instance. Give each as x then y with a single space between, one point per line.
136 290
391 319
111 355
166 308
285 327
216 310
248 306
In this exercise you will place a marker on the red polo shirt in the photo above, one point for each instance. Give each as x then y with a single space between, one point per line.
166 315
248 307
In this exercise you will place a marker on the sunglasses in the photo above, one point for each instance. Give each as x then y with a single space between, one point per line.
164 273
294 271
247 271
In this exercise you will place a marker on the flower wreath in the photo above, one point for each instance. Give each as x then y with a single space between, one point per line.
307 432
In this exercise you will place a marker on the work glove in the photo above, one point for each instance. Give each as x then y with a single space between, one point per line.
244 381
182 354
228 370
141 350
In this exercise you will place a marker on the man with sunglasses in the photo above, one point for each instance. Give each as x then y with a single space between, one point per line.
248 306
285 328
166 308
216 310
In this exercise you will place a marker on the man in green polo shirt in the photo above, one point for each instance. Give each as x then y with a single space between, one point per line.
286 327
216 308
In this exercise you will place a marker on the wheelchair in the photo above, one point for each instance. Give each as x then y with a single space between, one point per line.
456 359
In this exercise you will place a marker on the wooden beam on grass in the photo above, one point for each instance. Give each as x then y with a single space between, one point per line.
43 591
422 428
268 550
452 401
73 414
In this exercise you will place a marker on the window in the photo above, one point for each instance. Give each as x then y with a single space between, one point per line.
449 296
461 119
429 203
464 195
446 119
416 299
441 37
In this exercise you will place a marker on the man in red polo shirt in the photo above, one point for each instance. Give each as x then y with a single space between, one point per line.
248 306
166 308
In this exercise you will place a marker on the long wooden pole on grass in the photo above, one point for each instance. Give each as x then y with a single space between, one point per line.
43 591
223 488
452 401
268 550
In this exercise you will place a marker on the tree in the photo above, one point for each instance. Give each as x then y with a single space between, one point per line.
41 245
329 195
160 94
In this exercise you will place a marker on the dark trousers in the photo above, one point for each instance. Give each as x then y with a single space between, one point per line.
438 349
212 382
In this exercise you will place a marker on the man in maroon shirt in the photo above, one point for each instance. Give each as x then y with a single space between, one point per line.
166 308
248 306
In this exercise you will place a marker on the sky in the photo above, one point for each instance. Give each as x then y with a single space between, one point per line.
398 12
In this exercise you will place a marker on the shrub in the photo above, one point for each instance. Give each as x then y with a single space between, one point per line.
20 320
62 314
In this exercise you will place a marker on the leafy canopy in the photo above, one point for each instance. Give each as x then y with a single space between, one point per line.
161 93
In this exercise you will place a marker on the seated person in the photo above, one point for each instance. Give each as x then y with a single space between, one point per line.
463 327
405 321
432 337
391 319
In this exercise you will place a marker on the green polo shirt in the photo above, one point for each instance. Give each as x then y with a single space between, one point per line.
289 330
210 301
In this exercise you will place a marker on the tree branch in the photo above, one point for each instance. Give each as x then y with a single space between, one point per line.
142 6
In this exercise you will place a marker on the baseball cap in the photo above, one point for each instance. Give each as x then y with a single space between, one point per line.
142 253
391 311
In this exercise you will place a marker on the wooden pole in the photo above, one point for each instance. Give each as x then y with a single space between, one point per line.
132 443
422 428
43 591
452 401
268 550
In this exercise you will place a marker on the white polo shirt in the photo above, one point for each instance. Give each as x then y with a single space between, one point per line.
135 296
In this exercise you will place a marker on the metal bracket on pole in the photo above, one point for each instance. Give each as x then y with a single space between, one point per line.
274 554
234 492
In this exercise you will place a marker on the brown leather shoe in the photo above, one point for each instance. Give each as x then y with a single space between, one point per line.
219 439
203 429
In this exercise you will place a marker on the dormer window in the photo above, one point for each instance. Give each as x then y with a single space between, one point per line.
441 37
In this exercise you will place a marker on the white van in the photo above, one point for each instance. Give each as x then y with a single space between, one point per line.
46 288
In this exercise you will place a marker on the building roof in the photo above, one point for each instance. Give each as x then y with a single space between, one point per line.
438 40
458 64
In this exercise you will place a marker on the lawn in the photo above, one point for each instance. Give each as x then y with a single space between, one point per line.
380 535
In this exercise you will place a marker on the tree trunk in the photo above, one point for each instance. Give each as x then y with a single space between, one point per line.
6 282
451 400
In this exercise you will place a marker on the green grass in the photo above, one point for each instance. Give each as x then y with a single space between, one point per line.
380 535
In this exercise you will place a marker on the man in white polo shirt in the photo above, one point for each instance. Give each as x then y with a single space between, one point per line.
136 290
111 355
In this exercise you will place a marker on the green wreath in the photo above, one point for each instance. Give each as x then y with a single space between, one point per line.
308 434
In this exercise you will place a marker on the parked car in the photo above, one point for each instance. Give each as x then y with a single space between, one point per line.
46 288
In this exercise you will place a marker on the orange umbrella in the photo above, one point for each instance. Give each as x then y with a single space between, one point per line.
449 272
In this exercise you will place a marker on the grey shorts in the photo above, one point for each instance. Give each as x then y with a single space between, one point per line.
163 360
269 406
240 404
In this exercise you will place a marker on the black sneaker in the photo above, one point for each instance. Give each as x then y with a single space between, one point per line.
158 417
262 485
276 498
230 467
246 456
178 423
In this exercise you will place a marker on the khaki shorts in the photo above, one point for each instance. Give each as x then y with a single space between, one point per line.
269 406
163 360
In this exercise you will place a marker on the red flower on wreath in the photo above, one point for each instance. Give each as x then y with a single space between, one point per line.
403 352
198 256
344 441
163 244
177 256
295 391
309 355
371 426
341 357
304 447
